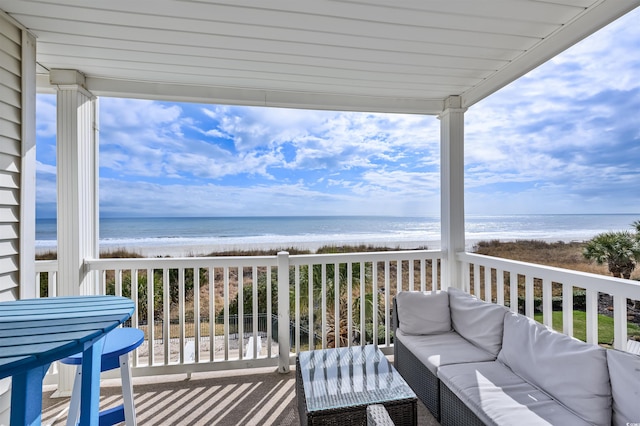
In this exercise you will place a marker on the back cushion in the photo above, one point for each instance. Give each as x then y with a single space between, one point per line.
624 371
573 372
423 312
477 321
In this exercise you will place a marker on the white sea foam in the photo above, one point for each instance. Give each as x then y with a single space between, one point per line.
197 236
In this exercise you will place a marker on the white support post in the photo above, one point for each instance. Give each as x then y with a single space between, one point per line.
77 153
452 189
283 312
77 182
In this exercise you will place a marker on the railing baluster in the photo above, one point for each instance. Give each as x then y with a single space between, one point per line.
135 320
411 277
387 279
323 325
528 296
118 286
487 284
269 312
349 301
196 314
166 327
620 322
181 303
567 309
362 303
212 313
38 285
547 303
513 291
500 286
591 307
423 274
336 305
240 324
374 275
476 280
225 325
255 313
151 332
297 307
312 330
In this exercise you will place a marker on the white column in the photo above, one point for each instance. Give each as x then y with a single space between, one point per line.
77 176
77 182
452 189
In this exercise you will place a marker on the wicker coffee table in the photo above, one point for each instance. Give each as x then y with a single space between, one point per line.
335 386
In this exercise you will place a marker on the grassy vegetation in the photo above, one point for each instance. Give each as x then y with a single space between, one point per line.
257 252
605 327
558 254
122 253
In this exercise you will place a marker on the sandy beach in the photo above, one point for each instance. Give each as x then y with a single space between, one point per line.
195 250
190 250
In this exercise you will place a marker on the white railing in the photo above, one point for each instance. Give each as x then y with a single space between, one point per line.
46 278
530 288
347 303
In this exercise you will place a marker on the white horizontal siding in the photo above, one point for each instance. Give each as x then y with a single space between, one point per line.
10 158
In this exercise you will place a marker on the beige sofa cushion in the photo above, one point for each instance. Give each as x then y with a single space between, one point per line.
477 321
624 371
573 372
436 350
499 397
421 313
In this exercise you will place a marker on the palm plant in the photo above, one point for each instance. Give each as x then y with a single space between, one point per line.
335 281
619 250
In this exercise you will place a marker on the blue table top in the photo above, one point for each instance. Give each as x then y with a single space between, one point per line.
39 331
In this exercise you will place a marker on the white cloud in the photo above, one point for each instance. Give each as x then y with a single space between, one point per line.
46 112
561 139
43 169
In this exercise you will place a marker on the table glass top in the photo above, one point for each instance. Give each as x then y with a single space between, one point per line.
343 377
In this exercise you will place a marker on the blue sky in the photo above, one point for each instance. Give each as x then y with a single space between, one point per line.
565 138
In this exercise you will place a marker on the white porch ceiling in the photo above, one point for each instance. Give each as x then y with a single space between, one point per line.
367 55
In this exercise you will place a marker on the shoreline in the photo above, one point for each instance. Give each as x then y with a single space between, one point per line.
202 249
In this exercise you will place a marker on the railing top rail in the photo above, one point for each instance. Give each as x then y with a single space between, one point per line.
181 262
306 259
248 261
586 280
46 265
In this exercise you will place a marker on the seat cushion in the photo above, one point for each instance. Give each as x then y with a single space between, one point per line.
442 349
477 321
624 371
497 396
423 312
572 372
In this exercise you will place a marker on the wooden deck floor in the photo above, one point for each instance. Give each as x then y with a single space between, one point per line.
238 397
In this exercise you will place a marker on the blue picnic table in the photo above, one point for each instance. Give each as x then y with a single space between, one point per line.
36 332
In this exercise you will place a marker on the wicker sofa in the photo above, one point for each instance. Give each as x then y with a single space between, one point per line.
475 363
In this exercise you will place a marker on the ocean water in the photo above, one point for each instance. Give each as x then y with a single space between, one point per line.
280 232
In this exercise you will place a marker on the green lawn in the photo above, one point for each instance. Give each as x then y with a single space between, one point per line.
605 326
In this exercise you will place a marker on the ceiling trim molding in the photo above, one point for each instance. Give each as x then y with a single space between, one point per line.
252 97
